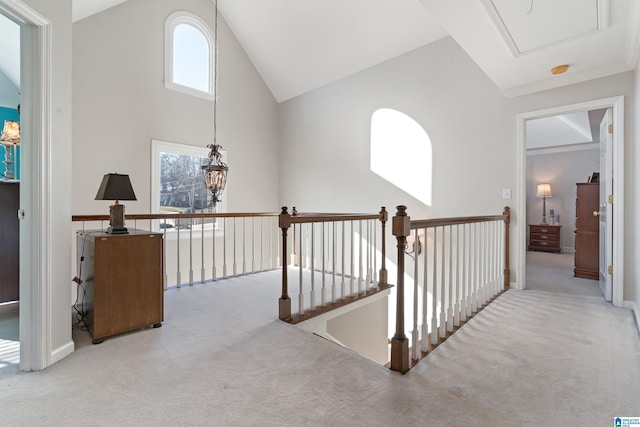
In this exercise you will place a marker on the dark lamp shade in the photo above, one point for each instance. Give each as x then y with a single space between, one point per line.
115 186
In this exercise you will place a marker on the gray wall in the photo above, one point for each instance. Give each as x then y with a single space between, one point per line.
120 104
632 157
562 170
326 133
325 137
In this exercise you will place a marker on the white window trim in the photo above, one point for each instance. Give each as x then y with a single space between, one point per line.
173 20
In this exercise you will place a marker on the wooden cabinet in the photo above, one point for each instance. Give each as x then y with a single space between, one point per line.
587 258
122 276
9 241
544 238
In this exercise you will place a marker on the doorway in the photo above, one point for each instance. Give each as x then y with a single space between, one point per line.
9 197
520 255
36 202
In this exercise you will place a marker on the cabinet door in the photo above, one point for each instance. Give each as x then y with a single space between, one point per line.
9 242
128 283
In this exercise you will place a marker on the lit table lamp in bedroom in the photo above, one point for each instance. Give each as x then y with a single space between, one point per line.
10 137
544 191
116 187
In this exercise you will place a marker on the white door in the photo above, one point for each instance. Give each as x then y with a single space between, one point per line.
606 208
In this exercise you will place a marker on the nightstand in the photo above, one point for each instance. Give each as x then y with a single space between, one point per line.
544 238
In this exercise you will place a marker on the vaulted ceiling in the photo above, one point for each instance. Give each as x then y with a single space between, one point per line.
299 45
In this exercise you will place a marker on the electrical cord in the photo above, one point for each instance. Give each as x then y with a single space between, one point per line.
81 289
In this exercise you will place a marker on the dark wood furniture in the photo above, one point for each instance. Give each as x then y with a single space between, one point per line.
587 258
545 238
122 276
9 241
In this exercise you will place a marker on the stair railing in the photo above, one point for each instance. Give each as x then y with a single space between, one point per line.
336 261
215 245
459 266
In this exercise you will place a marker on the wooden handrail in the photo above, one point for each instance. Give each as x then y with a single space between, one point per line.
438 222
305 218
134 217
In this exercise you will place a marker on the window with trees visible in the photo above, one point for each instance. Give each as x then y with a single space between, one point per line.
177 184
189 55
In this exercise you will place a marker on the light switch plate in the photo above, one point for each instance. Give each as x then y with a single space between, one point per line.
506 193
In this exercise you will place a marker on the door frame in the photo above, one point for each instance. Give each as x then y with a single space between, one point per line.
35 193
617 104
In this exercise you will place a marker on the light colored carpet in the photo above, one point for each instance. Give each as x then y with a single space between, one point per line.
554 273
9 344
222 359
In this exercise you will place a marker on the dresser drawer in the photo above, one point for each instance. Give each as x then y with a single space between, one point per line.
544 229
551 238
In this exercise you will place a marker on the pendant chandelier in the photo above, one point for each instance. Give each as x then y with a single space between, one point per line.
214 170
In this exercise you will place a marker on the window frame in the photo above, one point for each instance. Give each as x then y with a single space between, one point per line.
173 21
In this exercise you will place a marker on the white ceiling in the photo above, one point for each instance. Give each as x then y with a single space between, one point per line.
299 45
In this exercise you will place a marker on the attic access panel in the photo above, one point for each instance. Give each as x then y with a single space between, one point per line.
528 25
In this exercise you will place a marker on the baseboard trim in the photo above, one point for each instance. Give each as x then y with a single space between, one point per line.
61 352
631 305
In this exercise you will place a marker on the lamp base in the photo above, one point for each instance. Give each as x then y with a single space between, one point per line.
116 219
114 230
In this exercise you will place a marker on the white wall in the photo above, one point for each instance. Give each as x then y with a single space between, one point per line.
562 170
325 136
326 133
632 291
120 104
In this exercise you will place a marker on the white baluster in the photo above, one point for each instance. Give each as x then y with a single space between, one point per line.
202 273
190 251
179 281
443 287
457 309
434 302
333 261
425 296
415 331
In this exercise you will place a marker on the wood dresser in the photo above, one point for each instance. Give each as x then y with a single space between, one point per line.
587 258
9 241
123 280
543 237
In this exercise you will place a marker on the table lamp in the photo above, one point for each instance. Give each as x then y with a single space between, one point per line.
116 187
10 137
544 191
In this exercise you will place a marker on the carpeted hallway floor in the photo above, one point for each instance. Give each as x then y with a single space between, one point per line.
532 358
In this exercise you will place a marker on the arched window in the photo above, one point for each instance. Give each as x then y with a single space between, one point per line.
401 153
189 55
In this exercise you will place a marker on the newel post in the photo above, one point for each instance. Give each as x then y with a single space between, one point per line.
284 222
384 216
507 270
401 228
